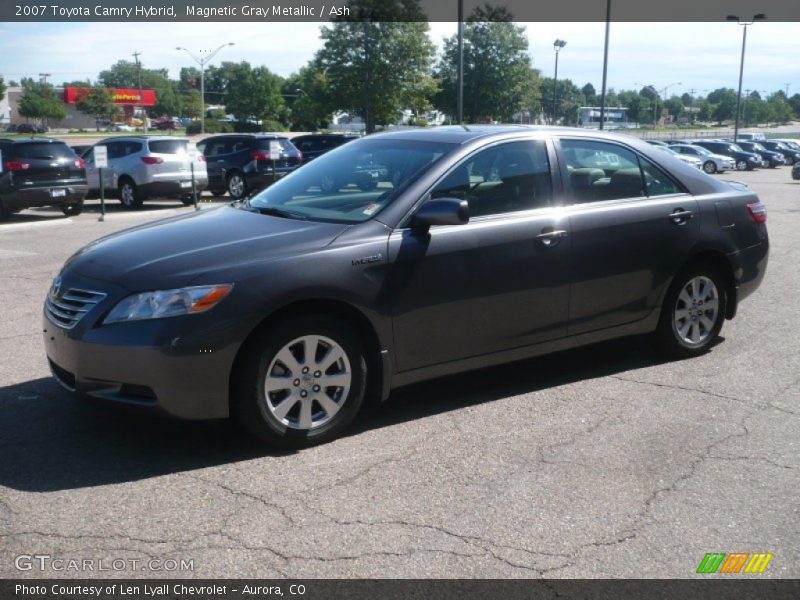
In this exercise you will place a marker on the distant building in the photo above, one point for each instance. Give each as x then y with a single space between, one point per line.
615 116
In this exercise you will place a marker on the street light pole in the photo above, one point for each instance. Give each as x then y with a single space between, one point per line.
605 68
202 62
460 75
557 46
744 24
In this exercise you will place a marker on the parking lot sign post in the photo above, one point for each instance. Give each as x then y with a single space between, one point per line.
274 155
194 186
101 162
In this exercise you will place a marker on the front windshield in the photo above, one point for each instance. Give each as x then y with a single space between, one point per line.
701 150
735 148
351 183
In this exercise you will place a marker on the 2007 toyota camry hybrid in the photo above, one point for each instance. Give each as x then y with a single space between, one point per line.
401 257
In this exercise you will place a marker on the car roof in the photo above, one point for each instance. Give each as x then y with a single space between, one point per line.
28 140
140 138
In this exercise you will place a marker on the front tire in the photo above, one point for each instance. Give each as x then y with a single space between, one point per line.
710 167
741 165
693 311
301 383
72 210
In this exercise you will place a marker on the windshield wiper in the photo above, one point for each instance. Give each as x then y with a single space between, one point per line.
276 212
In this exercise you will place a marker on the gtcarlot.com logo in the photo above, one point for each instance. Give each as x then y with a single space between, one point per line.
734 562
46 562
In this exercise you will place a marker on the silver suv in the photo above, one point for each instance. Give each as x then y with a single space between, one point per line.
141 167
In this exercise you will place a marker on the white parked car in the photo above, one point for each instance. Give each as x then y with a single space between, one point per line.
689 160
712 163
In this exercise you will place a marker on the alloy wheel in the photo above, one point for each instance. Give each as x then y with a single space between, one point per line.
696 311
307 382
236 186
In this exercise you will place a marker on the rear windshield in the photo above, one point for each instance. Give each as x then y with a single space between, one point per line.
44 151
286 145
168 146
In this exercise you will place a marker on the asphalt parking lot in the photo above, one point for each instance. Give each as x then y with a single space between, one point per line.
604 462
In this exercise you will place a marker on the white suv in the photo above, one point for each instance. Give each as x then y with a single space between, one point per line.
141 167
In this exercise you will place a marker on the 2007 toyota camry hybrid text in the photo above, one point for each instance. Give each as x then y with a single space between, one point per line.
401 257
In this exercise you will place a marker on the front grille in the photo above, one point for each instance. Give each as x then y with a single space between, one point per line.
67 308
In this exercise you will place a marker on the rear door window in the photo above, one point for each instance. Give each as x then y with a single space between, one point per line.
600 171
168 146
43 151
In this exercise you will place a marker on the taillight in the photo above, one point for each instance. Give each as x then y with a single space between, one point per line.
80 163
15 165
258 155
758 212
201 158
152 160
299 155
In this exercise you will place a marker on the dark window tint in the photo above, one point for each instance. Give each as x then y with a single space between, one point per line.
287 148
43 151
601 171
656 181
309 144
501 179
215 147
168 146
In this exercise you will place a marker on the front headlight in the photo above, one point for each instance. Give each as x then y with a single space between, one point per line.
168 303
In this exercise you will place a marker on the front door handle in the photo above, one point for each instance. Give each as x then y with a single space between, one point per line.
680 216
550 237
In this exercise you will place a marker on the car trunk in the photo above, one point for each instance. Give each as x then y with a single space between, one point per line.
43 164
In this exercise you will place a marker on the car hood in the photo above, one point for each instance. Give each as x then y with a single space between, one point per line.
721 157
178 251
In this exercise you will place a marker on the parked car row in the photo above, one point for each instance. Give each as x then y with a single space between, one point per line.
750 152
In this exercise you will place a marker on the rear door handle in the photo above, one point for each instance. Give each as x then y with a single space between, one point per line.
679 216
551 237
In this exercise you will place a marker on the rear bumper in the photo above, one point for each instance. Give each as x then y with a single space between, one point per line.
749 267
27 198
172 189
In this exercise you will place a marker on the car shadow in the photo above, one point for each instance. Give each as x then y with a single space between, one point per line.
51 441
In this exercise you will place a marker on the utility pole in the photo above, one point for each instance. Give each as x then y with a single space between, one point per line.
43 78
460 75
202 62
136 56
744 24
557 46
605 67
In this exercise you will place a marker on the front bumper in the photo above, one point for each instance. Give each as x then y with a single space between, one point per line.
178 367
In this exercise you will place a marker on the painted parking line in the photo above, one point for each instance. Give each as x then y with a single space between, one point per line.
35 224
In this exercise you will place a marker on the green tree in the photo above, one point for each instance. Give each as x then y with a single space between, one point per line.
778 108
590 94
97 103
794 102
568 98
306 94
375 64
498 78
39 101
2 88
724 100
255 93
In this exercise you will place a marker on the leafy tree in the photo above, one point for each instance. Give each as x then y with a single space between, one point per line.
255 93
40 101
568 99
98 103
2 88
794 102
590 94
306 94
778 109
725 101
375 64
498 78
674 105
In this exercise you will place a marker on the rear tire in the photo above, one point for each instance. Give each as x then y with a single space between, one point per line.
237 186
187 200
72 210
693 311
301 383
129 195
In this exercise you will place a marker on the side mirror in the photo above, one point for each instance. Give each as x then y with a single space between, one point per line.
441 211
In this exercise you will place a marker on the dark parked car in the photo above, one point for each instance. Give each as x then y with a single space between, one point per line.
164 123
317 144
744 161
29 128
791 155
40 172
494 244
240 164
770 158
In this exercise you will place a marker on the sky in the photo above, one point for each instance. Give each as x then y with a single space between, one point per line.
694 56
